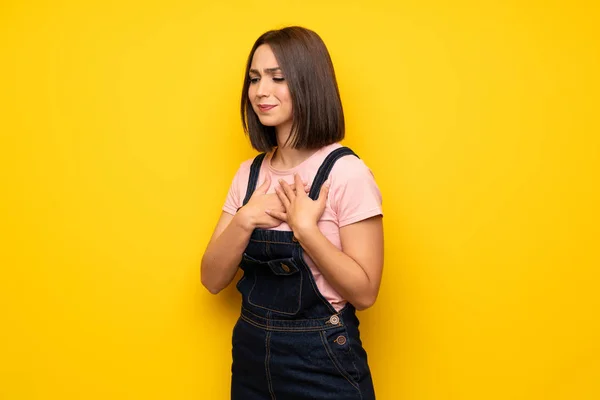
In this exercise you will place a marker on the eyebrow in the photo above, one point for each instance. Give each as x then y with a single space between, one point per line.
266 70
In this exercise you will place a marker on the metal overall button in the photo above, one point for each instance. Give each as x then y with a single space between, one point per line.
341 340
285 267
334 320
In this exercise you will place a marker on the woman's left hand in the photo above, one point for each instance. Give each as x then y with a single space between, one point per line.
301 212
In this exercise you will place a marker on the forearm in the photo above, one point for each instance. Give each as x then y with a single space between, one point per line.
342 272
223 255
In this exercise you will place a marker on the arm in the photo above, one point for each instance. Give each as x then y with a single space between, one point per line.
224 252
355 273
231 235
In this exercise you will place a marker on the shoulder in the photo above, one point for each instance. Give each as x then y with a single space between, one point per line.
240 179
244 168
354 194
350 169
246 164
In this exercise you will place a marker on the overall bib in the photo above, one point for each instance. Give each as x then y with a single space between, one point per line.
289 342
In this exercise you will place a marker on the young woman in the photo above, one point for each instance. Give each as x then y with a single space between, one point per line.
304 221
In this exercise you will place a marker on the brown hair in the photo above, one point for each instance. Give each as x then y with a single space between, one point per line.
318 117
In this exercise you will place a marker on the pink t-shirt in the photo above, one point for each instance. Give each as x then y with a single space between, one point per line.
353 196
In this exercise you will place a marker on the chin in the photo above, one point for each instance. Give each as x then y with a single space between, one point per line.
268 122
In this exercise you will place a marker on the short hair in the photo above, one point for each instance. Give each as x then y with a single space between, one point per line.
318 116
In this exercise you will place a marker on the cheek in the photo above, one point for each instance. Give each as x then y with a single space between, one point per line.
284 94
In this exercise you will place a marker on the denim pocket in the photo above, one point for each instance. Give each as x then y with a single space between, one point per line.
276 284
338 347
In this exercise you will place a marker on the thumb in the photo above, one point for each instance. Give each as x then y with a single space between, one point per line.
262 189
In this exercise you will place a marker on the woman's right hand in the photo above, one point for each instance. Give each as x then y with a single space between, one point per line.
253 214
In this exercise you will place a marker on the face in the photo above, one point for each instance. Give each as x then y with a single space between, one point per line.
268 91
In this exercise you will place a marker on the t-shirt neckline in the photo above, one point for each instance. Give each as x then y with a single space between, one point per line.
299 166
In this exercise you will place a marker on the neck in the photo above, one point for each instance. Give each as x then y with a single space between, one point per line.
286 157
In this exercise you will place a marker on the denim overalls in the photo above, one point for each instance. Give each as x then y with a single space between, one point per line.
289 342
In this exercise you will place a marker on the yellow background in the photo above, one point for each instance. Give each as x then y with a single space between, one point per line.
120 135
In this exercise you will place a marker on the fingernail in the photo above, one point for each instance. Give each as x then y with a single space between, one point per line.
268 211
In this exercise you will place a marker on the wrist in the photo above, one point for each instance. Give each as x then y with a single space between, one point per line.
303 232
244 220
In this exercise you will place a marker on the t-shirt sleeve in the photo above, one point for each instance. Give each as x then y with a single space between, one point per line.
237 190
354 193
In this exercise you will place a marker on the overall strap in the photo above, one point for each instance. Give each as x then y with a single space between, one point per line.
253 178
325 169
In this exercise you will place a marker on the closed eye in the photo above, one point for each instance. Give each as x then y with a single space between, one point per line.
278 79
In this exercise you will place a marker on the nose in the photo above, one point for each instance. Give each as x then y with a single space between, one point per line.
262 89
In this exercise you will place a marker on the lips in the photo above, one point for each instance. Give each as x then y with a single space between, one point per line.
266 107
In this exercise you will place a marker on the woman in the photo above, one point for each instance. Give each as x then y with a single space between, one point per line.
304 222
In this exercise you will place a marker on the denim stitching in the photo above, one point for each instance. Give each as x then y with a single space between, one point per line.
323 320
353 363
268 251
278 311
335 363
267 362
246 257
285 328
324 324
351 351
311 279
272 242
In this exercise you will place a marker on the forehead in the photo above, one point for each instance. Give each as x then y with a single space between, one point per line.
263 58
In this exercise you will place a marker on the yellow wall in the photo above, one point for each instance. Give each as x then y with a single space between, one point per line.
119 134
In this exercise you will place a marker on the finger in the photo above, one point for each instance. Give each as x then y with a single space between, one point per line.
298 182
324 192
287 189
282 197
262 189
277 214
304 184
